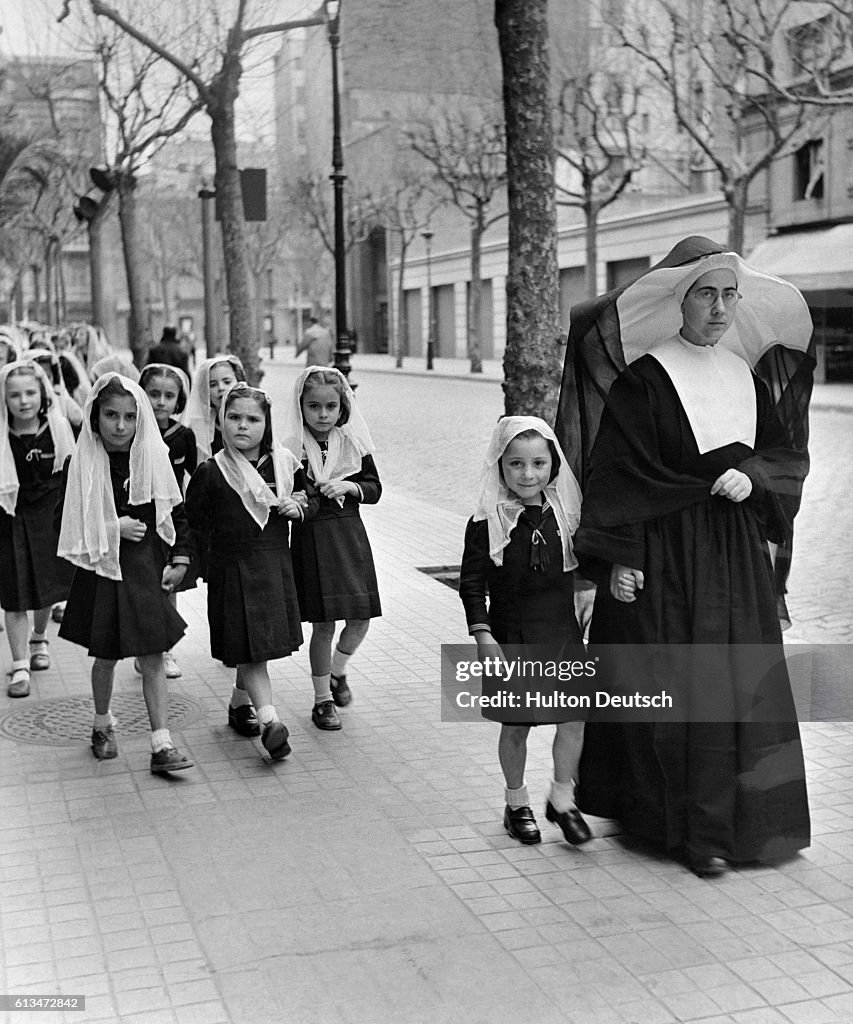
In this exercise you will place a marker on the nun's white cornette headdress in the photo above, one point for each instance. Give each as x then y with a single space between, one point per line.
770 312
502 510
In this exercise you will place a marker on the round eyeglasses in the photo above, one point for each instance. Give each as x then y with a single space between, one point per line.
709 296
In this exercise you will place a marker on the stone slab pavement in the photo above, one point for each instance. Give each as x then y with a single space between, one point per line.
367 878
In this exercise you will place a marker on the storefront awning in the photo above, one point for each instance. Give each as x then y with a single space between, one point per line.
811 260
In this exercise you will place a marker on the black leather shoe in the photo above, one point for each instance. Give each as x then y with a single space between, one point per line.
341 693
521 825
275 740
575 829
707 867
244 720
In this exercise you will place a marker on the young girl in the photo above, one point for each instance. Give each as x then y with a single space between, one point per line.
167 388
518 550
251 597
123 525
212 379
332 560
35 440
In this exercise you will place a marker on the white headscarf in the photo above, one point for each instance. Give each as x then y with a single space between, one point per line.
89 536
241 475
117 362
502 510
163 370
199 415
60 431
771 311
346 445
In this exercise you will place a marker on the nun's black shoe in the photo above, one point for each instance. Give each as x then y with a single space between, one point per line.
707 867
575 829
521 825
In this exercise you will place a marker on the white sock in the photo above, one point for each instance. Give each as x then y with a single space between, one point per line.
322 688
517 797
38 637
239 698
25 663
267 714
339 662
562 795
160 739
103 722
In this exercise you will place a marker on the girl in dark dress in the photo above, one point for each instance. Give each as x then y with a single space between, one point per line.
35 440
167 388
122 523
242 499
518 552
332 560
691 480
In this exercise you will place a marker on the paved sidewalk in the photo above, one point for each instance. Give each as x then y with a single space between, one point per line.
367 878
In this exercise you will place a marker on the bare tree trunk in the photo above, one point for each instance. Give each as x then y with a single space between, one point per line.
94 229
244 341
532 357
402 312
60 286
737 196
36 313
134 266
475 296
590 274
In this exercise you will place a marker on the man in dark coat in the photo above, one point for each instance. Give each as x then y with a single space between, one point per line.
169 351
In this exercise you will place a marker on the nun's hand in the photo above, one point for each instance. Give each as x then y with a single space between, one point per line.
733 484
625 582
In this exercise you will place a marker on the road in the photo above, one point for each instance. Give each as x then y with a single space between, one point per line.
431 436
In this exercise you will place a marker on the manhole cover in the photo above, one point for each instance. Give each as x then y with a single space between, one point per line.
68 720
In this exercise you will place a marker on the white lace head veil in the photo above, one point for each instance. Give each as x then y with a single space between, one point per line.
60 431
199 415
240 474
502 510
167 370
770 312
117 362
89 536
347 444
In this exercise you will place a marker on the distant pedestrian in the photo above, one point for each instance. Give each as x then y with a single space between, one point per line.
35 440
332 560
122 523
518 552
169 350
167 388
251 596
317 343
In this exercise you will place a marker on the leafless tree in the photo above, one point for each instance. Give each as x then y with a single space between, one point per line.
747 79
466 151
597 141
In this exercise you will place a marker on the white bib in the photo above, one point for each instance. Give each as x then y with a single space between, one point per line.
716 391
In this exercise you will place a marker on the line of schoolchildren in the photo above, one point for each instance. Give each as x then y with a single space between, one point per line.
103 524
274 527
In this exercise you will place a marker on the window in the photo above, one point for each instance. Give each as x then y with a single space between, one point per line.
808 170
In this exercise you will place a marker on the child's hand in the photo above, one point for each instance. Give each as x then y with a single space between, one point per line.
487 646
131 529
301 498
625 582
733 484
172 577
338 488
288 507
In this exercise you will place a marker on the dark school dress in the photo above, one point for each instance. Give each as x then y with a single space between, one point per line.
251 596
132 616
183 454
31 574
723 788
332 560
526 606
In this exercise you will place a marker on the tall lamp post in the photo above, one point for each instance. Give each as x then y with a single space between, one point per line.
430 347
332 9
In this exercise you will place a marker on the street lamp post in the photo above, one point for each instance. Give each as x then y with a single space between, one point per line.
342 335
207 196
430 347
